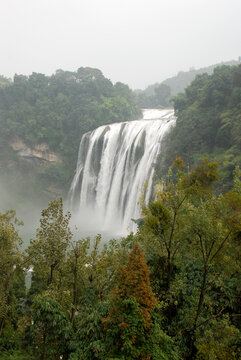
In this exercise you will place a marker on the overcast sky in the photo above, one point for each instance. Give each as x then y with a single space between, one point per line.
138 42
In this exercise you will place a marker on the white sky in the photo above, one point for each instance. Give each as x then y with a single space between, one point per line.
137 42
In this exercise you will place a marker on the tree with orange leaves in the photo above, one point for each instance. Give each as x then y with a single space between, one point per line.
131 334
134 283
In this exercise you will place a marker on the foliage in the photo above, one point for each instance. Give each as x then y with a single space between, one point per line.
171 291
211 348
176 85
131 334
50 328
183 79
134 283
190 235
47 252
4 81
89 340
208 122
57 110
10 270
160 97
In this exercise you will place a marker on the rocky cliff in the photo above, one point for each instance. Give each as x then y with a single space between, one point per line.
40 152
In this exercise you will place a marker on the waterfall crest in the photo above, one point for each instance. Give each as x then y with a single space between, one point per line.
114 162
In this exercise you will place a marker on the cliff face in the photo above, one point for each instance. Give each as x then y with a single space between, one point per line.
30 172
39 152
43 119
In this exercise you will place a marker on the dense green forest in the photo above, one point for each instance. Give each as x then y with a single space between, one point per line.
55 110
209 122
179 82
160 94
172 291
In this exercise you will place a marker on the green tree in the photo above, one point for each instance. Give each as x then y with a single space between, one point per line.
208 122
130 330
47 253
56 110
194 233
10 266
165 218
77 261
209 241
50 329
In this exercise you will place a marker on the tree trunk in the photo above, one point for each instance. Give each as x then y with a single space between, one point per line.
193 349
44 345
74 293
6 287
201 297
52 266
169 269
1 326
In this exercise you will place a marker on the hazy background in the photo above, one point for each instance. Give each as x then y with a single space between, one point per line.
138 42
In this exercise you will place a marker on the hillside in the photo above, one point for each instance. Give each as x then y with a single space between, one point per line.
209 121
159 94
179 82
42 119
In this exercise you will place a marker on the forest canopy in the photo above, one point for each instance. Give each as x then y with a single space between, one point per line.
169 292
58 110
209 121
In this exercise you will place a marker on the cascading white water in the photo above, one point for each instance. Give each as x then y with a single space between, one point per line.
113 165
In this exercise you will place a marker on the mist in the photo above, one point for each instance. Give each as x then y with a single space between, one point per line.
27 211
138 43
83 223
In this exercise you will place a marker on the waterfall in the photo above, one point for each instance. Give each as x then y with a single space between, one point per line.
114 163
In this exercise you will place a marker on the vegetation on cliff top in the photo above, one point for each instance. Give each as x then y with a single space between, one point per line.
209 122
58 110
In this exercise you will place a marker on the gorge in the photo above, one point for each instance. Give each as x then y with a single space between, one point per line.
114 164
